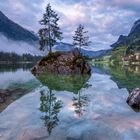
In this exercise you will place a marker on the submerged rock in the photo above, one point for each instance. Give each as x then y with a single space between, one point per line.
3 94
7 96
134 99
63 63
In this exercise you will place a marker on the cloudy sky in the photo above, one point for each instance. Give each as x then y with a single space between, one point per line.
104 19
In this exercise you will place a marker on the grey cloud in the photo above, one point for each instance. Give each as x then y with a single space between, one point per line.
104 19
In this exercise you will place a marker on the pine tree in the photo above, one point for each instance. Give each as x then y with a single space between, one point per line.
80 39
50 32
80 103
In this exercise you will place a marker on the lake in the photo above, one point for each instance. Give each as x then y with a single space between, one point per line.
54 107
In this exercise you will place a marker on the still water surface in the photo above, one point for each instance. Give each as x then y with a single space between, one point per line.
54 107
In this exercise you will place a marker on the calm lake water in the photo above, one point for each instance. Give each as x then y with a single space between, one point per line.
53 107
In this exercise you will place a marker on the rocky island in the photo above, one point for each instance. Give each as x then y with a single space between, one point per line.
71 62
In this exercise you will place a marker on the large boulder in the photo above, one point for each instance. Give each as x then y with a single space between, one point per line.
134 99
63 63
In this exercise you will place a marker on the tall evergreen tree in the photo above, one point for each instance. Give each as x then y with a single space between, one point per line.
80 39
50 32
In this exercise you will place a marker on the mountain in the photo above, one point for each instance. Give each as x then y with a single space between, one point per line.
13 31
15 38
61 46
132 39
135 31
88 53
95 54
119 42
127 46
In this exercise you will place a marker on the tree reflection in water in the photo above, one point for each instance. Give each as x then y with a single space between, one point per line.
79 103
50 106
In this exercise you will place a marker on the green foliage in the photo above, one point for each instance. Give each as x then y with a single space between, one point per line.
124 51
125 77
79 39
50 58
50 32
118 54
64 82
15 58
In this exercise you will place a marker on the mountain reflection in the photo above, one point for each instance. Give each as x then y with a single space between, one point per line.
124 76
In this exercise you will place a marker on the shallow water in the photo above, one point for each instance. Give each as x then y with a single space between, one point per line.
67 108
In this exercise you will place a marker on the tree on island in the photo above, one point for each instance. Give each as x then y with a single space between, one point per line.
50 32
80 39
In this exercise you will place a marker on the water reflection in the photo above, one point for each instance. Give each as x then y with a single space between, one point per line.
13 67
102 112
50 106
79 103
64 83
133 69
16 81
125 76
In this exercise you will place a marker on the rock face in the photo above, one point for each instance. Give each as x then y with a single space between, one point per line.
132 38
63 63
134 98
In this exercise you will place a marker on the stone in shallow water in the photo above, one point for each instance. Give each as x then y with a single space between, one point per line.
134 99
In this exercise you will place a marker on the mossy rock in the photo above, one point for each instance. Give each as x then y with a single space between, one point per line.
73 62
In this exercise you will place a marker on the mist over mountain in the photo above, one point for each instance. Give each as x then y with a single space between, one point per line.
88 53
15 38
13 31
19 47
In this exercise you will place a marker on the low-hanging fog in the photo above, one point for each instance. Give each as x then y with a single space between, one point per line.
18 47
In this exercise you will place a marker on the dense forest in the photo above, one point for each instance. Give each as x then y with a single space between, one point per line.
15 58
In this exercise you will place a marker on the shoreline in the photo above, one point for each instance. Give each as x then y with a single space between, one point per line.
20 62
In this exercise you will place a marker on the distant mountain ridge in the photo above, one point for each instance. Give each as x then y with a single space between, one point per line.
126 48
89 53
133 37
14 31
